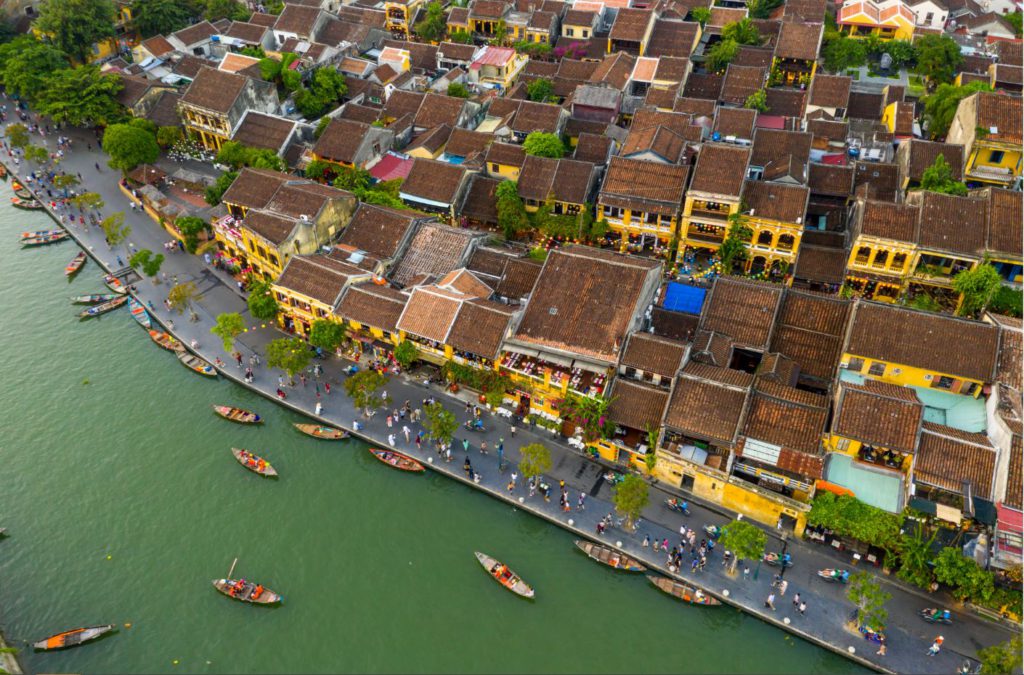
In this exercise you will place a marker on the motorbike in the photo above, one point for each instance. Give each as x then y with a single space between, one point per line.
872 635
474 426
830 575
614 478
677 505
936 615
775 560
714 531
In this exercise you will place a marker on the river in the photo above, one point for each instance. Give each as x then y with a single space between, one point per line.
123 502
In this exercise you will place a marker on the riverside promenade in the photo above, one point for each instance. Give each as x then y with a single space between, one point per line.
827 609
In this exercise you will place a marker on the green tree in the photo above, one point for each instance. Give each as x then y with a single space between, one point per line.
938 58
405 354
440 423
352 179
25 62
721 54
940 107
542 144
844 52
262 303
869 598
534 460
458 90
976 287
326 334
1008 301
327 87
700 15
500 33
915 556
939 178
74 26
79 95
1014 19
963 576
925 302
588 413
159 17
630 497
1003 658
745 540
236 155
743 32
433 25
147 262
540 90
129 146
733 250
512 216
289 354
167 137
762 9
114 228
225 9
321 126
848 516
182 295
35 153
214 192
757 101
191 227
88 201
229 326
17 135
461 37
318 169
362 388
65 180
902 52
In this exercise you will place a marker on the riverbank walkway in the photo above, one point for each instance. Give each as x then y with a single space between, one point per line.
827 608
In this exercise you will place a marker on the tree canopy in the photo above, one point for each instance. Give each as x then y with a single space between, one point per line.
842 52
326 334
159 17
79 95
432 27
327 87
939 178
544 145
851 517
225 9
940 107
74 26
236 155
512 216
406 354
25 62
147 262
183 295
757 101
214 192
938 58
190 228
440 423
977 287
129 146
721 54
869 598
289 354
114 228
1003 658
733 250
534 460
262 303
631 496
229 326
745 540
744 32
17 135
362 388
458 90
540 90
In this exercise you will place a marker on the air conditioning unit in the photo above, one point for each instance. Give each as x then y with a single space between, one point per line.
928 378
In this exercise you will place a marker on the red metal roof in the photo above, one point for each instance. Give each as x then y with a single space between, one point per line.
392 166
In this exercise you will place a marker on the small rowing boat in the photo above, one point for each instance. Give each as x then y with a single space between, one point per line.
694 596
501 573
3 172
246 591
397 460
166 341
193 362
39 233
72 638
237 414
96 310
93 299
254 463
75 265
609 557
320 431
52 238
114 284
139 313
27 204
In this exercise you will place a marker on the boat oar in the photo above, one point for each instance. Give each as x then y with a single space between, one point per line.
232 568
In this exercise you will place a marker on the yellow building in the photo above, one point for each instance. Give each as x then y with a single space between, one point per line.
641 202
884 249
398 15
989 125
950 240
713 196
580 24
889 19
310 288
775 216
124 39
216 101
563 185
505 161
876 423
796 53
497 66
371 312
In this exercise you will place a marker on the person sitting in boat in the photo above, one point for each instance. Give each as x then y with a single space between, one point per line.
698 595
261 465
257 592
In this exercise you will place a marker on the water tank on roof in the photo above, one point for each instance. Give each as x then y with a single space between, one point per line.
716 136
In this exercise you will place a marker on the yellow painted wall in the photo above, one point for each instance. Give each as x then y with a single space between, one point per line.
981 156
506 171
271 263
908 375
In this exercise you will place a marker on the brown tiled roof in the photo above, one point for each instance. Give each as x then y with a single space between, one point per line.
431 140
259 130
830 91
537 117
506 154
297 19
480 203
951 223
712 348
439 109
254 188
948 457
921 154
671 69
164 112
742 309
464 143
653 354
134 87
878 414
422 55
1015 475
645 117
933 342
195 33
519 278
579 17
435 249
592 148
317 277
738 122
792 425
648 186
727 376
720 169
753 56
1005 232
704 85
786 102
488 9
889 221
488 262
773 147
660 97
903 124
865 105
831 131
480 327
436 181
704 407
403 102
299 198
1002 112
573 308
341 140
158 46
660 140
263 19
630 24
808 10
740 82
1011 351
249 32
377 230
820 264
798 40
698 107
722 16
214 89
271 226
828 179
776 201
614 69
672 38
372 305
430 313
458 16
189 66
635 405
811 328
882 180
573 69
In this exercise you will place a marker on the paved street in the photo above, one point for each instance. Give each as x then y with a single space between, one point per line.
909 636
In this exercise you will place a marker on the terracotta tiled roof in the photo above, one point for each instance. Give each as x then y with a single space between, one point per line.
254 188
712 348
164 112
195 33
434 250
574 309
341 140
653 354
318 277
635 405
877 414
506 154
157 46
263 19
647 186
214 90
830 91
1015 475
480 327
773 147
297 19
573 69
271 226
578 17
249 32
820 264
519 278
592 148
377 230
614 70
831 180
720 170
439 109
795 426
698 107
1005 232
372 305
811 328
753 56
881 180
259 130
933 342
704 407
672 38
744 310
298 198
480 203
704 85
865 105
1001 112
1011 352
721 16
659 140
786 102
798 40
808 10
430 313
672 69
889 221
740 82
464 143
436 181
951 223
537 117
915 155
631 24
947 458
488 9
776 201
489 262
738 122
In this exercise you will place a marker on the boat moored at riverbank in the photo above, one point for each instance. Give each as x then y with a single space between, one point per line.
322 432
72 638
44 240
196 364
237 414
166 341
694 596
609 557
139 313
397 460
93 299
75 266
103 308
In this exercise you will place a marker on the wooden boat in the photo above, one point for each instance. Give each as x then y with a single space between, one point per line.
93 299
44 240
114 284
96 310
397 460
609 557
166 341
16 185
23 193
38 233
193 362
3 172
139 313
75 265
504 576
254 463
246 591
27 204
72 638
324 432
237 414
683 592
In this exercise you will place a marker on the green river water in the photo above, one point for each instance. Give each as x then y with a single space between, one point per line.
122 502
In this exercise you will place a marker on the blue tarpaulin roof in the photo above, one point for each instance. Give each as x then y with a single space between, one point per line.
683 298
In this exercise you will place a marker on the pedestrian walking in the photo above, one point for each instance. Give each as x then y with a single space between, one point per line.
647 541
406 431
881 649
746 572
389 421
664 544
803 607
419 444
579 502
483 447
657 545
515 477
770 601
796 600
391 440
783 585
302 379
467 467
513 430
319 408
327 388
447 450
465 444
565 502
936 646
693 565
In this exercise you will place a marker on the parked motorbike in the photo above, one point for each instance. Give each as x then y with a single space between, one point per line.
830 575
714 531
677 505
872 635
775 560
474 426
936 615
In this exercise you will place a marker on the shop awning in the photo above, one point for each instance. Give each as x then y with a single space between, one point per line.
1010 519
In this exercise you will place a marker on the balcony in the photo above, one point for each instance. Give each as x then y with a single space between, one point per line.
705 213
